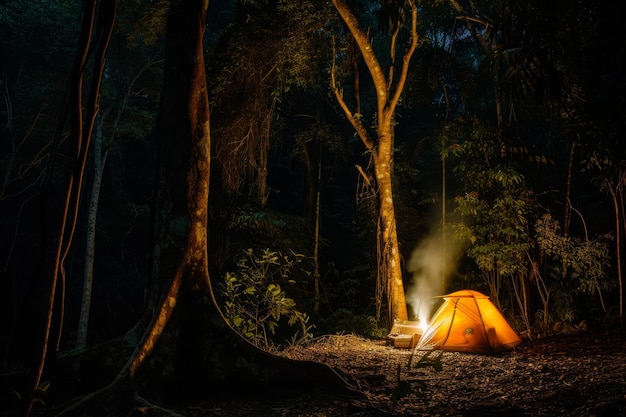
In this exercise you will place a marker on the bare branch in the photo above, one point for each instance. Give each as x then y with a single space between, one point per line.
354 119
406 59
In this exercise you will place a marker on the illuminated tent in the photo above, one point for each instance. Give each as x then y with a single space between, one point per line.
468 321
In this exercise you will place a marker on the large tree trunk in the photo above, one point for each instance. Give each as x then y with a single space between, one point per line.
390 251
205 343
193 352
388 91
228 363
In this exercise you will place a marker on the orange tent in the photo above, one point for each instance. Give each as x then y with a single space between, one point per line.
468 321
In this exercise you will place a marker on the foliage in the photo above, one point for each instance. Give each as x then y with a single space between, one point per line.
495 209
254 226
255 303
147 29
255 221
271 49
496 230
585 261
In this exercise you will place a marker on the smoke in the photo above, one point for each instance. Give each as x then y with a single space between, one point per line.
431 263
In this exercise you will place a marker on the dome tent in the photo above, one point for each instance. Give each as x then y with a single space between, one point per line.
468 321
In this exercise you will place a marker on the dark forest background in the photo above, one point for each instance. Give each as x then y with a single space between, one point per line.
509 166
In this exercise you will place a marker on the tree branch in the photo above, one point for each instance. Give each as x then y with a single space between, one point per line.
369 56
354 119
406 59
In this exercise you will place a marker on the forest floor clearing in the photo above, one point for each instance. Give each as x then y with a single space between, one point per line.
578 374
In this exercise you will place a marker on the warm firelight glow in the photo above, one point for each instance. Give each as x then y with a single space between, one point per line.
423 325
422 308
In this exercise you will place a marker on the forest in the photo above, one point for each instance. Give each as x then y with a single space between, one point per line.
188 188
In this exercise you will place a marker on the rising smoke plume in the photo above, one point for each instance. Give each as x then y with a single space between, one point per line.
431 264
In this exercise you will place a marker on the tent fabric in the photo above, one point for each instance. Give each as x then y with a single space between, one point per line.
468 321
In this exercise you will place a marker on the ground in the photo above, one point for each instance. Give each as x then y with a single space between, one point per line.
580 374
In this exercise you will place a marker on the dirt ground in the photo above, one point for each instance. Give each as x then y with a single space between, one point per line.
581 374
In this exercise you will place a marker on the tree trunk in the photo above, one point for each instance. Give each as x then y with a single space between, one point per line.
93 32
200 356
228 363
99 160
388 90
389 235
100 154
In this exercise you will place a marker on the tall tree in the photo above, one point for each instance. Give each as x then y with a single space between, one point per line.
182 306
389 86
94 38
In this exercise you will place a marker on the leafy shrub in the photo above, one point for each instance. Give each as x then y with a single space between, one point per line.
256 304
